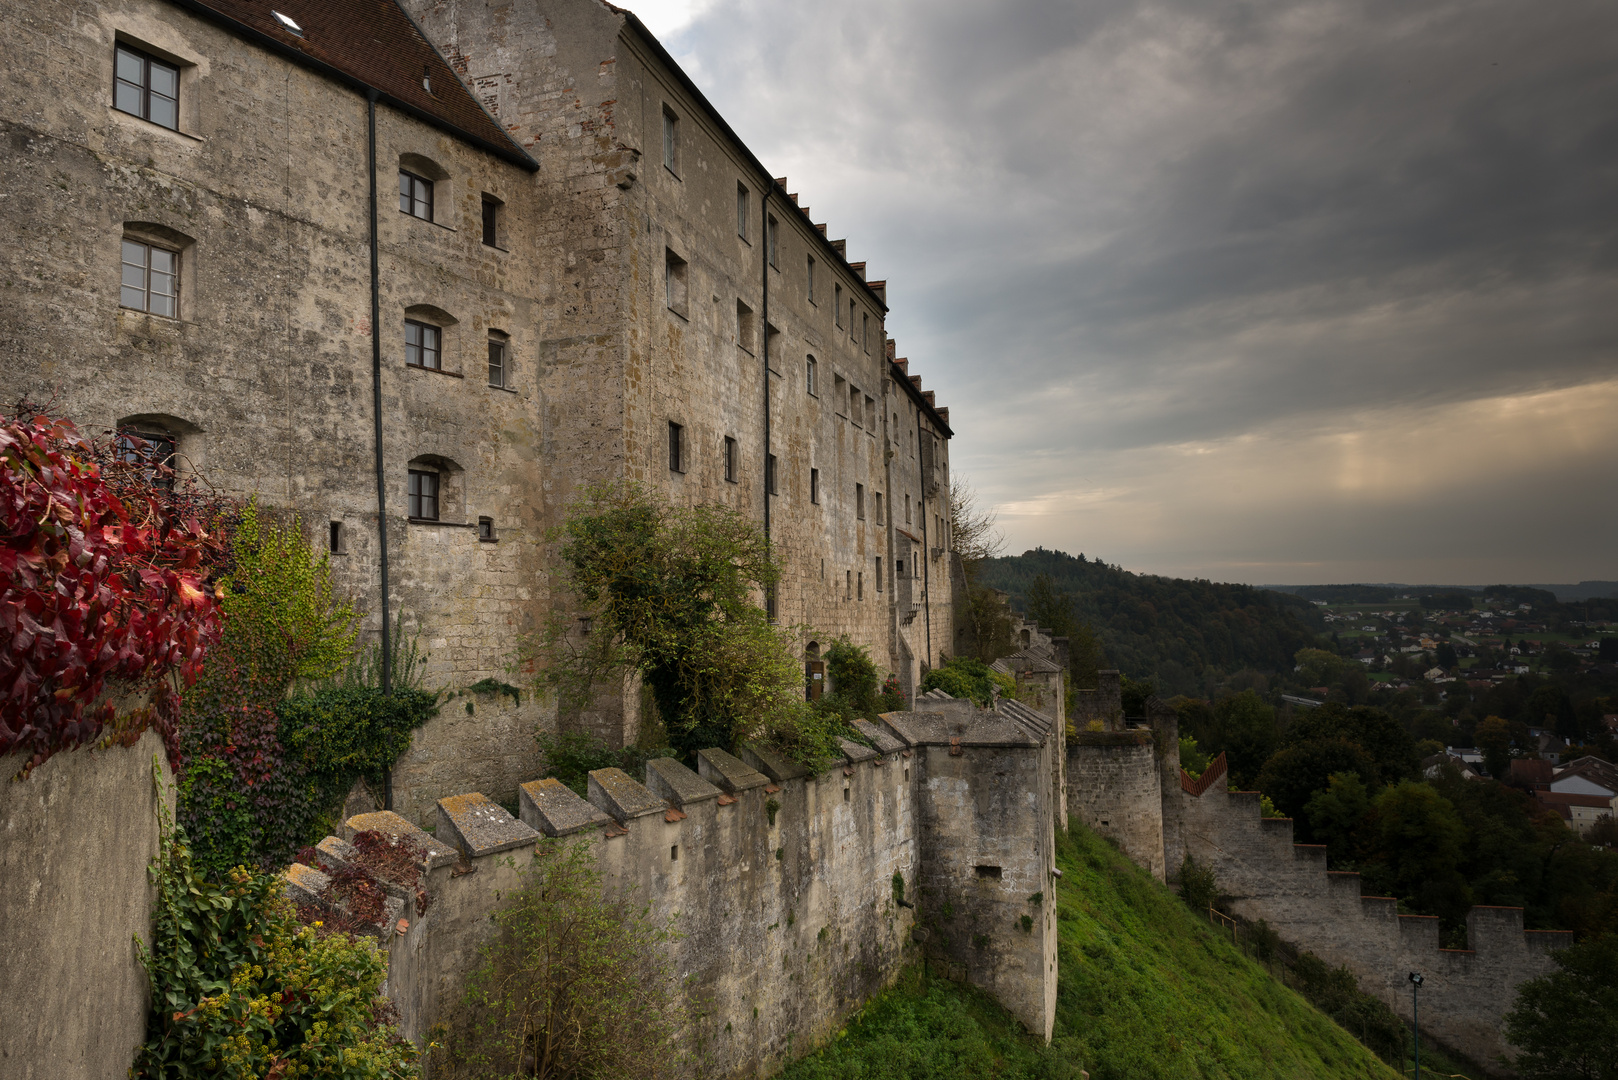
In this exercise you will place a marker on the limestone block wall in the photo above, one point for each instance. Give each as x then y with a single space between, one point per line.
1467 992
1114 788
76 838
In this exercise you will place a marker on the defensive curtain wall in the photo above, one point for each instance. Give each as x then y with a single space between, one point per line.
1125 782
782 884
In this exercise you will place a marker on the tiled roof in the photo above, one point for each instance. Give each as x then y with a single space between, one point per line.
371 45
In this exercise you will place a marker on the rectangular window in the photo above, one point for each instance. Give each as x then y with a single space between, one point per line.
146 87
848 584
486 530
423 495
879 508
854 404
676 447
499 364
811 279
423 345
730 459
772 243
859 585
491 221
153 451
743 214
851 317
837 303
814 485
879 573
769 474
907 509
859 501
671 141
809 377
744 327
870 413
674 271
150 279
865 331
415 195
335 542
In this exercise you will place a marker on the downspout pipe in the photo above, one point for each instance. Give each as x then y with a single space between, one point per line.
376 408
926 556
764 351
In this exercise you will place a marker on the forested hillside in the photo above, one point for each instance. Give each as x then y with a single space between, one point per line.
1184 635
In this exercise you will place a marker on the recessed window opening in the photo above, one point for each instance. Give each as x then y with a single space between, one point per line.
859 585
336 543
879 573
743 214
769 475
772 243
988 872
486 529
811 279
671 141
851 317
730 459
854 404
865 331
584 625
676 447
870 414
153 451
907 508
674 282
879 520
859 501
744 327
899 567
146 87
499 360
814 492
848 584
149 279
415 195
424 345
809 377
847 794
423 492
674 853
491 220
837 303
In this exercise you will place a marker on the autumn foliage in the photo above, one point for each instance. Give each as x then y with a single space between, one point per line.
105 588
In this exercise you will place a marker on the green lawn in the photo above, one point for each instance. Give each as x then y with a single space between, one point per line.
1147 991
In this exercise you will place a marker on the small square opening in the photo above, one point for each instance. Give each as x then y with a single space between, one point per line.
486 530
989 872
674 853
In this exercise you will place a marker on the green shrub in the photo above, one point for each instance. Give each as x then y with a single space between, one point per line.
1197 885
969 679
571 757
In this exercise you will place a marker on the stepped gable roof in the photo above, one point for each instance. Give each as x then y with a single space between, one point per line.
1031 720
1034 658
940 719
368 45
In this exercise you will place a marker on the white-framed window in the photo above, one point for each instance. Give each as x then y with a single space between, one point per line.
415 195
424 346
149 279
499 360
423 495
809 375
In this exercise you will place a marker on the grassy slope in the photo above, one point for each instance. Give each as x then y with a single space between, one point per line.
1147 991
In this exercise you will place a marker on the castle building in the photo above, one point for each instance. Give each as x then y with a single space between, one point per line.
419 273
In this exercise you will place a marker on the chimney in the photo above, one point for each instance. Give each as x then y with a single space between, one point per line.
858 268
903 366
893 349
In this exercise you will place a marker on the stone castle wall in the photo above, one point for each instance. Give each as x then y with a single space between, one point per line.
1113 788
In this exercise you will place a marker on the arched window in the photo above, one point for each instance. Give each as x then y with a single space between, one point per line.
418 180
428 339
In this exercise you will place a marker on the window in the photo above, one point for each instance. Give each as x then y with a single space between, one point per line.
879 573
153 451
150 279
988 871
336 542
814 487
671 141
674 271
730 459
744 327
146 87
676 447
851 317
859 501
838 383
809 377
865 331
859 585
491 221
423 345
769 474
837 303
486 530
423 495
742 212
811 279
879 508
848 584
854 404
772 242
499 361
870 413
907 509
415 195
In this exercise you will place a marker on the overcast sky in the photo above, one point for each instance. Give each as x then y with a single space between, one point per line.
1258 291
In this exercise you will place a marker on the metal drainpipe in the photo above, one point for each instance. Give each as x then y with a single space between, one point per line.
764 213
376 405
926 556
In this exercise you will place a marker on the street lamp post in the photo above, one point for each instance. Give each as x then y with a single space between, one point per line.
1415 1018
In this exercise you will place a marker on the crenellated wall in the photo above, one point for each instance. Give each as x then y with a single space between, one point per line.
789 922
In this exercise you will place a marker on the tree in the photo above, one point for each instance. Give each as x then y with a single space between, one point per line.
1445 654
1319 667
1493 737
576 983
1414 851
1294 774
1384 741
1566 1023
973 533
1050 608
1337 814
1244 728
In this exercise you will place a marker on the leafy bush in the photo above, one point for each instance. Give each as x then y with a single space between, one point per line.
575 984
102 588
969 679
571 757
1566 1023
241 989
1197 885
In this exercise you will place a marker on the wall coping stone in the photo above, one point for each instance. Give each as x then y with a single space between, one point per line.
771 764
675 782
1133 737
730 773
856 751
884 740
304 884
477 825
622 796
392 825
980 728
554 809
